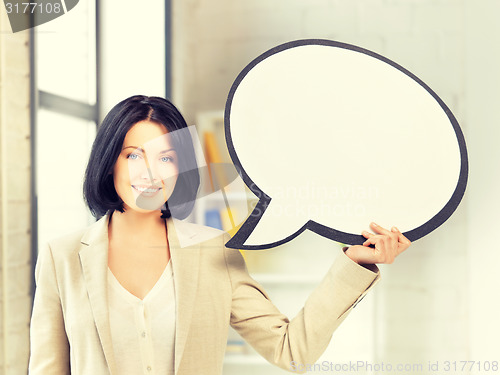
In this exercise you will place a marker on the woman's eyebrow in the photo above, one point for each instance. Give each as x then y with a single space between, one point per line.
134 147
141 150
165 151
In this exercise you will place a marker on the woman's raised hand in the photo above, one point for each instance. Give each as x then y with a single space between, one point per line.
388 244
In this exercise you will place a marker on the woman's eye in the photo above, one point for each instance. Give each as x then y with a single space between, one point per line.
133 156
166 159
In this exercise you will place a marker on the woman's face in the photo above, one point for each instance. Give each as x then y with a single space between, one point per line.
146 170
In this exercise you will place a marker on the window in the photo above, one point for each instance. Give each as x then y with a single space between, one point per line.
65 82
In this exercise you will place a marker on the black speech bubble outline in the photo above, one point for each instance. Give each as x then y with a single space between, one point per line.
238 240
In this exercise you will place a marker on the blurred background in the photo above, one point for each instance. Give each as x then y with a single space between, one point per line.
438 302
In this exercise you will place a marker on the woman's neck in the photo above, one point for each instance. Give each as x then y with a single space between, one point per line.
135 226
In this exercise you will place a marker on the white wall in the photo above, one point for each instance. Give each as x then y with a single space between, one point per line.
482 82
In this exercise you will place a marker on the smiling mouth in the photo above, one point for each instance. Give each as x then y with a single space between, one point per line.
146 189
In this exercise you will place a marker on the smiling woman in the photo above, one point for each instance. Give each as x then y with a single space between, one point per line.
128 296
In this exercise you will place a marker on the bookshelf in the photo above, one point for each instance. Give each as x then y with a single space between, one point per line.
235 196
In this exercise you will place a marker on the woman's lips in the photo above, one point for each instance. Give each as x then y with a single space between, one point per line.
147 191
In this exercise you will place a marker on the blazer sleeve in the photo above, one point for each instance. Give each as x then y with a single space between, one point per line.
300 341
48 340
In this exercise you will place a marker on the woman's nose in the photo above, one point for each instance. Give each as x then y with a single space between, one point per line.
150 172
148 175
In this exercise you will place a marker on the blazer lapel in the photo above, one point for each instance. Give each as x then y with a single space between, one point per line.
94 259
185 263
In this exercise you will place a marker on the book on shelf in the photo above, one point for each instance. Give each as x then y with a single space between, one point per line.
213 219
221 173
213 156
223 219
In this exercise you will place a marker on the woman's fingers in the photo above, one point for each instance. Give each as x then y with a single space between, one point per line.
403 242
367 234
387 245
403 239
378 229
383 234
372 240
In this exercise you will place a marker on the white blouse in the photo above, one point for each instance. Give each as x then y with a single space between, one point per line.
143 331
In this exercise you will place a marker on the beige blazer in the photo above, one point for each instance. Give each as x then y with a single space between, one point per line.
70 331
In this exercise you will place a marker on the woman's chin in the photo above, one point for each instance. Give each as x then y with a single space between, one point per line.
145 205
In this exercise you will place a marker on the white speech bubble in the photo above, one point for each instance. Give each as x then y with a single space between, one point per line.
332 137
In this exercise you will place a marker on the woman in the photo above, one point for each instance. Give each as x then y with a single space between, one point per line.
127 296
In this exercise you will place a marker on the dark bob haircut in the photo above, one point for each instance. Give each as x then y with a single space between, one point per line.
98 187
